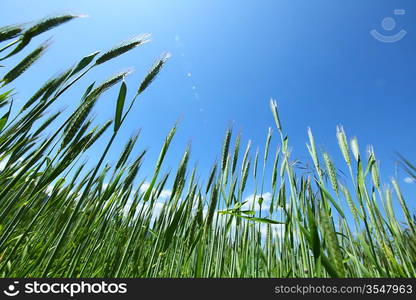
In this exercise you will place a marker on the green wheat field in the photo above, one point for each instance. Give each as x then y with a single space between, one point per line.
59 218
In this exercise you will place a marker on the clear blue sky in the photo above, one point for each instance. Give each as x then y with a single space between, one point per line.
316 57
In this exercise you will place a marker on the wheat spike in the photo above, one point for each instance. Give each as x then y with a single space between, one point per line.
122 48
24 64
331 172
151 75
343 144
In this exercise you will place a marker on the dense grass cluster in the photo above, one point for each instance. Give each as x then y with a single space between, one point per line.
60 219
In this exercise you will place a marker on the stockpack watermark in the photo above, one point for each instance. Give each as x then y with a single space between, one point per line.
388 25
72 289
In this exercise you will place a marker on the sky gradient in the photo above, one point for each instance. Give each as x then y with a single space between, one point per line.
316 58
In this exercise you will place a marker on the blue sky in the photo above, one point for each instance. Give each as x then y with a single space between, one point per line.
316 57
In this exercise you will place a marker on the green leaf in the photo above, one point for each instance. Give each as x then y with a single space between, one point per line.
3 120
248 212
87 92
173 226
5 117
260 220
120 105
232 210
334 203
316 243
264 220
85 61
5 96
